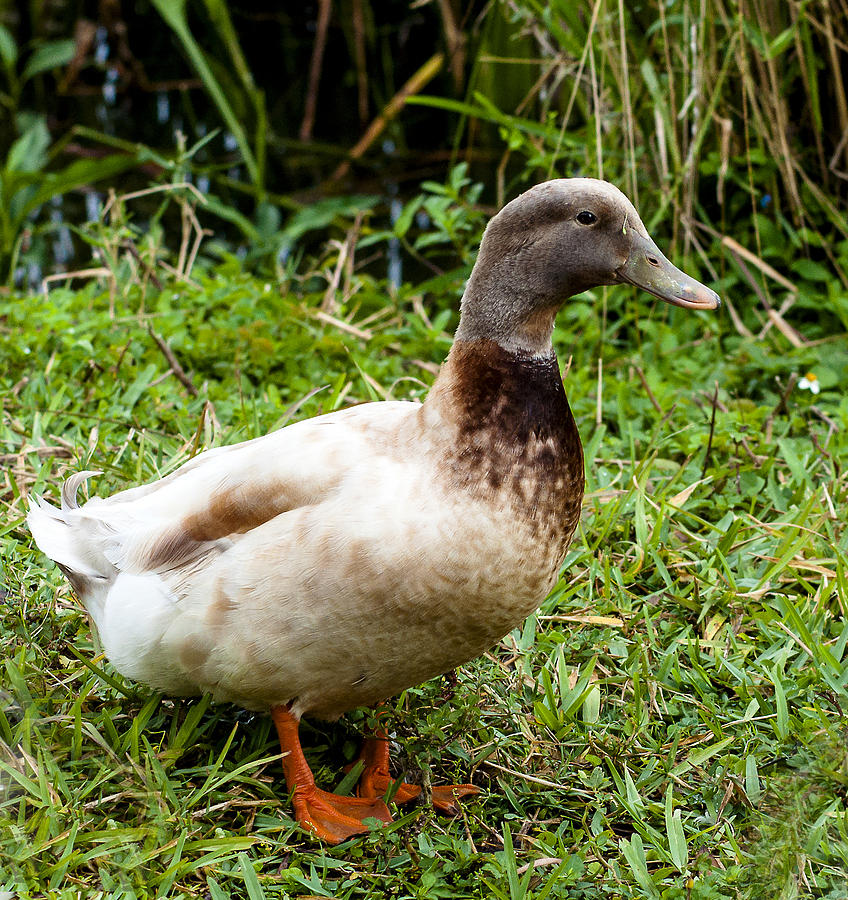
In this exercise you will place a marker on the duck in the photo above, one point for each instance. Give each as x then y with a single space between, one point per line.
335 562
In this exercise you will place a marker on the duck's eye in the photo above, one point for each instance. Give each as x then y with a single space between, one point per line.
586 218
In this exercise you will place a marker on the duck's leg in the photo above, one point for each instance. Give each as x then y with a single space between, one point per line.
331 817
376 779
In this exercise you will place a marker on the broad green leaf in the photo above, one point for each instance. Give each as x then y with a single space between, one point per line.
404 220
8 48
781 706
170 874
634 853
49 56
634 798
701 755
231 214
220 17
251 881
781 42
796 465
61 868
677 845
322 213
29 152
592 705
80 173
752 779
173 12
137 388
677 842
216 892
486 111
188 734
640 519
571 699
811 271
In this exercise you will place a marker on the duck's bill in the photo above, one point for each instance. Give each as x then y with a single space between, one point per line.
647 268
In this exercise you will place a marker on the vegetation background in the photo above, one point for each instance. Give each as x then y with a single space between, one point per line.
216 217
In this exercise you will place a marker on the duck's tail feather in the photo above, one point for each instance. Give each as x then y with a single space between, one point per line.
70 539
72 485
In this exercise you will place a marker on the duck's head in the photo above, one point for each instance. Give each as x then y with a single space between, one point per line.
556 240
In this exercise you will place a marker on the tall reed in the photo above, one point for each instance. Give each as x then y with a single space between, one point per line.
725 110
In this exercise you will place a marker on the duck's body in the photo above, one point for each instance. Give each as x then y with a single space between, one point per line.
334 562
344 558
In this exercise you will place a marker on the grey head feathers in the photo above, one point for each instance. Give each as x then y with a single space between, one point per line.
558 239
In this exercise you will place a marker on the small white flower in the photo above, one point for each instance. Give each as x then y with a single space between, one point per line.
810 383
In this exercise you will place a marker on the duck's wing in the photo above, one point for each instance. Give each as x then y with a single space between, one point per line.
214 498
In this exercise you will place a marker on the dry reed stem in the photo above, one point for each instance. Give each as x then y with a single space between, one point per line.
156 189
612 621
581 65
456 42
542 862
630 126
344 266
836 71
306 126
360 61
325 317
418 80
180 373
98 272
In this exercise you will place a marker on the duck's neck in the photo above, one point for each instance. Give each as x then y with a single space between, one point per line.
530 338
505 404
508 325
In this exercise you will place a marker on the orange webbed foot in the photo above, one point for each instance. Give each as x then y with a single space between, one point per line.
334 818
445 797
329 816
374 783
375 780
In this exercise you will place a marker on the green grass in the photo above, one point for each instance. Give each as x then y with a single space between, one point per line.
671 722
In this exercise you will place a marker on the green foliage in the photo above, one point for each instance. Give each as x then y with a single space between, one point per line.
669 724
174 14
19 66
725 120
25 186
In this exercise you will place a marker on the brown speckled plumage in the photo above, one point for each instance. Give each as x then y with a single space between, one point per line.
514 429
